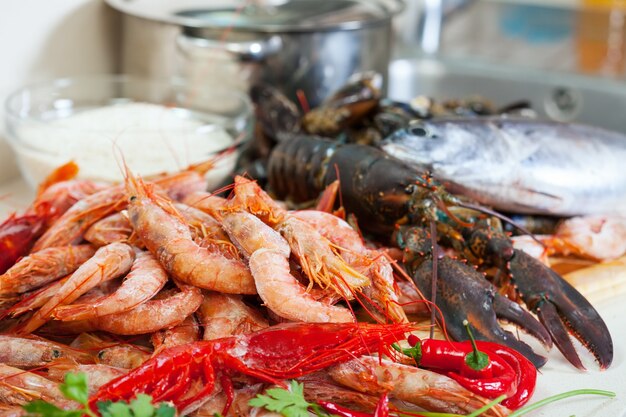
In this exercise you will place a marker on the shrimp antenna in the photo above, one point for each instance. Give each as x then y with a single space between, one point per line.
502 217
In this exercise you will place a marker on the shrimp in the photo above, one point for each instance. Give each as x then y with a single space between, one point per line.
97 374
240 404
369 262
426 389
283 294
201 223
107 263
35 299
598 237
42 267
181 184
145 279
18 387
411 300
320 264
18 233
113 228
268 255
248 233
11 410
186 332
71 226
33 352
58 198
319 386
224 315
206 202
123 356
150 316
165 234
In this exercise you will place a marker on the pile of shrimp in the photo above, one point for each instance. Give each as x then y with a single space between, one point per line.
122 272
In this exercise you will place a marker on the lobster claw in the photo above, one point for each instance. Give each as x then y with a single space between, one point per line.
561 309
464 294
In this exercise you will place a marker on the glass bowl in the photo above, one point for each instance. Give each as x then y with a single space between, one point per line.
106 122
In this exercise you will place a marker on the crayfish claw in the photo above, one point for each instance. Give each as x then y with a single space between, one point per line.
561 309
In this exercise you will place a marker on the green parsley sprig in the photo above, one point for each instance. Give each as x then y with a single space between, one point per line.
288 402
75 388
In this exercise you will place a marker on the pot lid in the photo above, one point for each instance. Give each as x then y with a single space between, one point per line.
263 15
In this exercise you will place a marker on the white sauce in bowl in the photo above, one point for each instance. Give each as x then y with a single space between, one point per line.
151 138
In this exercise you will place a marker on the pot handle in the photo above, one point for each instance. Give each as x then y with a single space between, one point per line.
254 50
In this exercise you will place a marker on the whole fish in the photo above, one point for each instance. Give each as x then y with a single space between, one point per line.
520 165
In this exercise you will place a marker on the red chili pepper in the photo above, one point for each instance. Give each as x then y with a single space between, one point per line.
495 380
525 372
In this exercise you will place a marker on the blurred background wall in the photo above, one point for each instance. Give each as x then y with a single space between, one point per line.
41 40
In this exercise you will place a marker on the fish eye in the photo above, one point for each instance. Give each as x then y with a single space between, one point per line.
418 130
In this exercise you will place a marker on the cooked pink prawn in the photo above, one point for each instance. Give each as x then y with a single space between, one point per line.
598 237
318 261
72 225
248 233
40 268
224 315
426 389
371 263
123 356
151 316
166 235
268 256
113 228
18 387
144 281
107 263
32 352
97 374
201 224
7 410
179 185
36 299
57 198
240 404
188 331
206 202
289 299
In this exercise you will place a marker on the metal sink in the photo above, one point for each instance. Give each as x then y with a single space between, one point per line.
558 96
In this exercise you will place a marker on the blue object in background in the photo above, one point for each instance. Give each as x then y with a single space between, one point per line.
536 24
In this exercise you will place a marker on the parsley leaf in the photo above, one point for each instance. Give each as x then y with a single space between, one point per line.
142 406
117 410
165 410
40 407
75 387
289 403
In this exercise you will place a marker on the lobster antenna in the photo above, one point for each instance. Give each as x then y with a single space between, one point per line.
501 217
433 284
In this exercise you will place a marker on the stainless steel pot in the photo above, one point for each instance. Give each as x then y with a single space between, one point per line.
307 45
